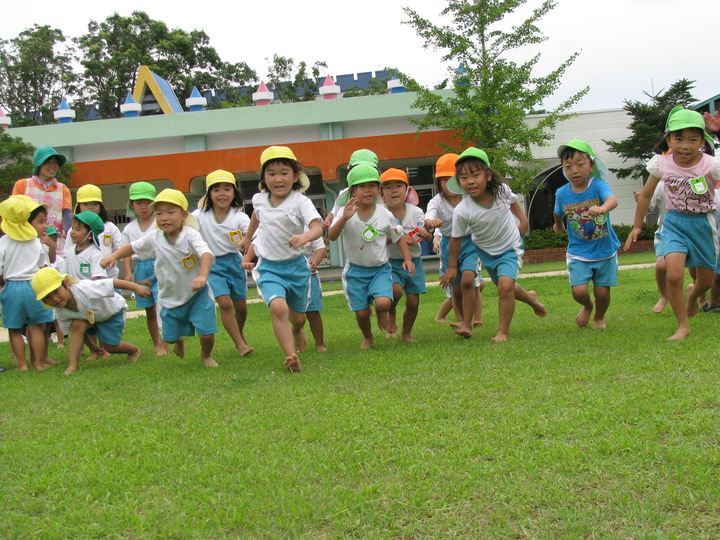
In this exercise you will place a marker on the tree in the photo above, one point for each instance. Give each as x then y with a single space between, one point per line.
35 74
492 94
16 161
293 84
113 51
648 126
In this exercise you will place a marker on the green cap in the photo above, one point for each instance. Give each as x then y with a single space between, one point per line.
600 169
360 174
139 191
453 185
363 157
44 153
92 220
681 118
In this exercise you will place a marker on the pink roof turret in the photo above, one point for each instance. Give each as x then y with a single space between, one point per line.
64 114
5 120
131 108
195 102
263 96
329 90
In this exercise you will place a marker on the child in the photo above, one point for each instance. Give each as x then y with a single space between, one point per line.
690 221
395 188
87 306
56 334
21 255
89 198
182 267
584 204
314 254
488 213
440 210
140 198
358 157
285 220
82 258
223 225
366 228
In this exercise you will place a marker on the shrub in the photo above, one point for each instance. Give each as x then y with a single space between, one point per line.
546 238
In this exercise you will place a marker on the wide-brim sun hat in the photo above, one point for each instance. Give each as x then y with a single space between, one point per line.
445 165
361 174
453 185
88 193
31 203
681 118
140 191
176 197
363 157
600 169
15 215
44 153
272 153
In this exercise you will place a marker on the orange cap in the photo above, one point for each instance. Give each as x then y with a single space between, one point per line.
445 166
394 174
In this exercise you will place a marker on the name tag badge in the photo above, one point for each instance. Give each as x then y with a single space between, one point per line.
189 262
235 236
90 314
85 269
107 240
370 233
699 185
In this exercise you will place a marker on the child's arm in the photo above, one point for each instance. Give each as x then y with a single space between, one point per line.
348 211
299 240
451 272
51 244
248 260
138 289
114 257
205 264
609 205
643 203
408 263
559 225
127 264
522 218
252 228
317 258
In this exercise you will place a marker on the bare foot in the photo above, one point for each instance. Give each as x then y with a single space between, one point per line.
500 337
366 343
209 362
442 319
69 370
538 308
583 317
681 333
599 323
161 349
39 366
179 348
477 323
245 351
692 307
50 362
464 333
292 363
60 345
660 306
92 357
455 325
300 340
407 338
23 368
320 347
132 357
391 334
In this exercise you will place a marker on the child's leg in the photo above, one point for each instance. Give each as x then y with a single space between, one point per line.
602 303
715 292
207 343
178 347
159 345
412 303
227 315
478 304
675 264
297 320
581 294
280 316
78 329
506 307
38 344
661 280
531 299
17 346
693 274
391 325
241 317
703 281
95 350
132 351
365 325
445 308
318 331
468 301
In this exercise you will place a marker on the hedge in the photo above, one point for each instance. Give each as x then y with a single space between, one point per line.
546 238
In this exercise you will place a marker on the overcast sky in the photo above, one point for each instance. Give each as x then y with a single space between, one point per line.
627 47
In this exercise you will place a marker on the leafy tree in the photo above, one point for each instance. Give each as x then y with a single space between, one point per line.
113 51
492 93
35 74
374 87
647 127
293 83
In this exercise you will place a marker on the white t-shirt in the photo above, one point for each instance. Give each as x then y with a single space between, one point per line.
109 242
19 260
440 208
96 301
84 264
176 264
223 236
413 218
365 241
493 229
278 223
132 232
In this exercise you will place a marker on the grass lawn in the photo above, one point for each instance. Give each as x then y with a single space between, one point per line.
559 433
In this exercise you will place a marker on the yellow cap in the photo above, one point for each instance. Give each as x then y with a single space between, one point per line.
218 177
276 152
172 196
45 281
88 193
15 214
31 204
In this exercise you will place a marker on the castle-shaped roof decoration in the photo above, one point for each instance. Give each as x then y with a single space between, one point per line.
154 94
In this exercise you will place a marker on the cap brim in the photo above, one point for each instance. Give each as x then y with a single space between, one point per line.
453 186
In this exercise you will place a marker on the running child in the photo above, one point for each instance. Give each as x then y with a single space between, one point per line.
584 204
182 267
285 220
223 225
366 228
358 157
87 307
89 198
689 173
488 213
140 198
314 254
21 255
396 192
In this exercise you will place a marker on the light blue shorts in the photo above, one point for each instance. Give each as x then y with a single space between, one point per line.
315 303
658 244
143 270
109 332
602 273
289 279
20 307
414 284
198 315
227 277
692 234
478 276
506 264
467 258
363 284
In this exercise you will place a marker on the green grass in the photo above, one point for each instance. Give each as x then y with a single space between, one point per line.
559 433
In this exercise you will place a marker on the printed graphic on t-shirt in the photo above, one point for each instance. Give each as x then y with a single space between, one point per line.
689 195
581 224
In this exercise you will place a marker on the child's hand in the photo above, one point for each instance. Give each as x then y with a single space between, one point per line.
595 211
350 208
559 229
433 223
247 263
297 241
143 291
436 244
328 221
632 238
243 244
107 262
198 283
313 266
409 266
448 277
